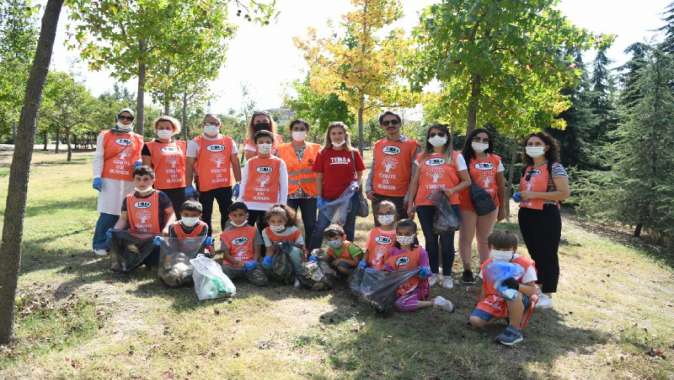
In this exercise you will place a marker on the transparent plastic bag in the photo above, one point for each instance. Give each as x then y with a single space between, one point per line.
174 259
498 271
338 209
209 280
317 275
129 250
378 288
445 220
286 263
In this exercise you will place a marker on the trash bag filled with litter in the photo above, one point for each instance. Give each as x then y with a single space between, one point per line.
129 250
174 259
209 280
378 288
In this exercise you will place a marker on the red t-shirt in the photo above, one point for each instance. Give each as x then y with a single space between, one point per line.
338 170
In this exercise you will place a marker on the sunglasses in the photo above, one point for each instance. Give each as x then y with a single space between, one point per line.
130 118
439 134
386 123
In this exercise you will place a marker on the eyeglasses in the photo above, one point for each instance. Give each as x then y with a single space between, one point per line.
122 117
386 123
439 134
484 140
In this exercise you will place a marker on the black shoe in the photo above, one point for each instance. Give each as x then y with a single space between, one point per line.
467 278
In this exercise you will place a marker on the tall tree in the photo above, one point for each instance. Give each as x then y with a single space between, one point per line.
357 63
19 173
602 99
668 29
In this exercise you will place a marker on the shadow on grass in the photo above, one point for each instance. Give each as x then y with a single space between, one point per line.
47 207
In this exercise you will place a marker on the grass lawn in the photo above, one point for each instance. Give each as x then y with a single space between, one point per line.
613 317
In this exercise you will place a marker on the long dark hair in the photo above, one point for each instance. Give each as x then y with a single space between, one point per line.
468 152
448 145
407 223
552 155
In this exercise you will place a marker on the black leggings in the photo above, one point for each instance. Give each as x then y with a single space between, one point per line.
177 197
224 198
542 230
441 245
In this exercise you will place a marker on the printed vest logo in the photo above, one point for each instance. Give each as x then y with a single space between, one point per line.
484 166
264 169
169 149
401 261
435 161
382 240
391 150
123 142
143 204
240 241
215 148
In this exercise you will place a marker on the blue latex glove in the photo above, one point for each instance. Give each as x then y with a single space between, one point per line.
320 202
137 164
235 190
97 183
424 272
517 197
266 262
370 270
157 241
313 259
362 264
208 242
190 191
249 265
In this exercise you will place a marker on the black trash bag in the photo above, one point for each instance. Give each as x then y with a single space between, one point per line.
378 288
317 275
129 250
286 258
174 260
482 201
445 219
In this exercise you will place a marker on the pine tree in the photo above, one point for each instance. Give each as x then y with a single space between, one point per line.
668 44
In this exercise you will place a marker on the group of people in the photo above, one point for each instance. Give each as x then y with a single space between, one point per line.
168 187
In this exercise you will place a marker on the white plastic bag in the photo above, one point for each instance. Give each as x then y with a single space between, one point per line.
209 280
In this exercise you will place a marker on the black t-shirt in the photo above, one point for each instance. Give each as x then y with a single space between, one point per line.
164 203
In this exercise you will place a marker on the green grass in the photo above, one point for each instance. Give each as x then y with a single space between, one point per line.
613 317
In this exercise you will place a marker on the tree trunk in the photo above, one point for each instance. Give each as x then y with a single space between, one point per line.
140 98
475 82
637 230
186 132
58 140
46 141
361 110
167 107
15 208
70 149
510 186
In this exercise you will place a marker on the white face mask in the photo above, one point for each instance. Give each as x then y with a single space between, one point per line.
124 127
264 148
277 228
299 135
437 141
386 220
499 255
405 240
535 151
479 147
339 144
142 191
239 225
164 134
211 129
189 221
336 243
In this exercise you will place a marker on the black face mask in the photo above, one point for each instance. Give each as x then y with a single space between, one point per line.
262 127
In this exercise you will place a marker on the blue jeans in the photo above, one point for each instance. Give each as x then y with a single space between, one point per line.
323 222
437 245
105 222
308 208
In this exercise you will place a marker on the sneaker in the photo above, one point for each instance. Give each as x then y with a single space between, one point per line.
433 280
443 304
100 252
297 284
510 336
544 302
447 282
467 278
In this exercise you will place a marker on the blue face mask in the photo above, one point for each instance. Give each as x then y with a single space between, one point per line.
335 243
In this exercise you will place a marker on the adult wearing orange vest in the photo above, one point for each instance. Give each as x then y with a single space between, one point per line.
299 157
392 166
544 183
260 121
117 153
214 157
167 156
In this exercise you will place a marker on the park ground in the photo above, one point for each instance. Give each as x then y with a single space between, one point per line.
613 316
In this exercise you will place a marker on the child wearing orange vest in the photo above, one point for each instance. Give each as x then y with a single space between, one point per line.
380 239
407 255
264 181
492 305
282 228
190 225
342 255
240 244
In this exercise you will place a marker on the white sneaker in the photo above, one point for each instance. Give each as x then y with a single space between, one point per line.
448 282
544 302
433 280
297 284
443 304
100 252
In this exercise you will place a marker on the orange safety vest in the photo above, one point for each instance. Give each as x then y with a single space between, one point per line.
405 261
213 163
483 173
168 162
492 302
263 180
436 174
181 234
300 174
538 182
143 213
392 170
240 241
345 254
120 153
379 242
282 238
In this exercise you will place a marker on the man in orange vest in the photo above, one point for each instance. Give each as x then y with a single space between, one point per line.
299 157
392 166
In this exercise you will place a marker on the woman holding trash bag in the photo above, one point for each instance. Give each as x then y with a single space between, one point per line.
117 153
544 183
260 121
338 166
486 171
167 157
299 156
439 168
213 157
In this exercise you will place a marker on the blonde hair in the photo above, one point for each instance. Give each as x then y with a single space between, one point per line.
172 120
251 131
347 136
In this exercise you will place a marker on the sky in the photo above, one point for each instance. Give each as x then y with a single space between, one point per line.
267 79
